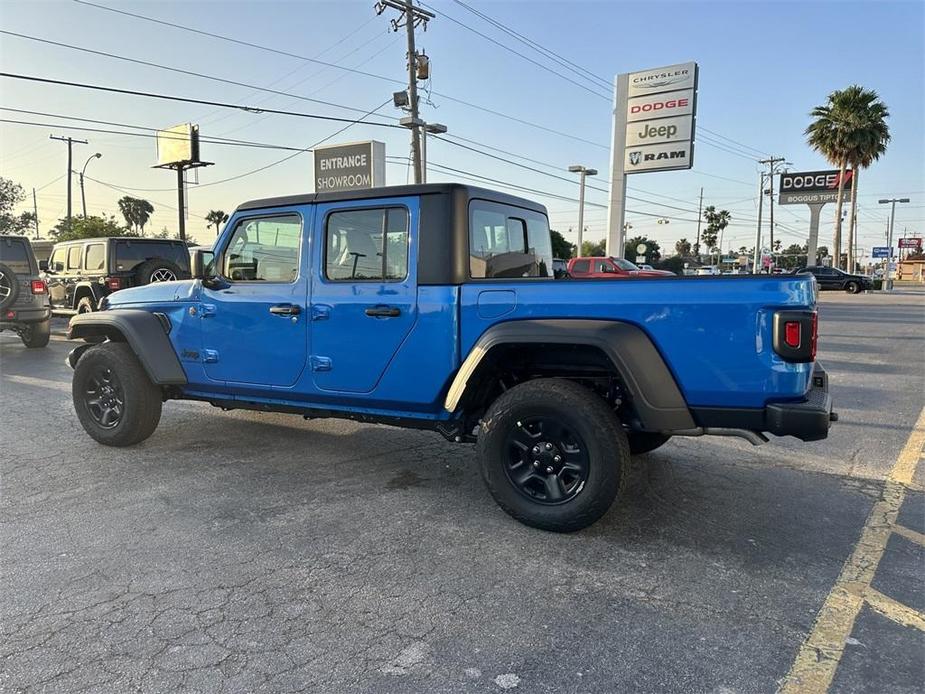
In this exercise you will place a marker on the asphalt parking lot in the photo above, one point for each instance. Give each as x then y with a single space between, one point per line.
246 552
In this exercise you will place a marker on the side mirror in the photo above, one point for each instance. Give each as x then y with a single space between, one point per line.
202 264
43 265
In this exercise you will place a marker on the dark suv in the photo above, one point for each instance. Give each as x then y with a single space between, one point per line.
80 273
833 278
23 296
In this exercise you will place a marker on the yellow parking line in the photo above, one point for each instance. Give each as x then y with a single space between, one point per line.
818 657
910 534
894 610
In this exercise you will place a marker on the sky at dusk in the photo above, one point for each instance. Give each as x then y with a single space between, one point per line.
763 67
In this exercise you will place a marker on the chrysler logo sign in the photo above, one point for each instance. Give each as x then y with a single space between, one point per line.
663 79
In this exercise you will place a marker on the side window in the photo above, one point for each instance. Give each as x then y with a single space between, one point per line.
508 242
581 266
56 262
73 257
95 258
369 244
264 249
602 265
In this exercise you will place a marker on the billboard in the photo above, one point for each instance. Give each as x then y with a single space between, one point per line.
911 243
660 108
812 187
177 145
352 166
880 252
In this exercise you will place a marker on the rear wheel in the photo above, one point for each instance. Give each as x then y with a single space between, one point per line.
85 305
115 401
645 441
36 334
853 287
553 454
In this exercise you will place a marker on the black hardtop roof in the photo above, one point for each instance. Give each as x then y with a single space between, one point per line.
394 191
15 237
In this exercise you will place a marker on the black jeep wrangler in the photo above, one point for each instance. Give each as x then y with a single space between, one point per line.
23 296
80 273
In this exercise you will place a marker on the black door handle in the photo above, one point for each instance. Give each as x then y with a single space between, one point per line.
383 311
285 310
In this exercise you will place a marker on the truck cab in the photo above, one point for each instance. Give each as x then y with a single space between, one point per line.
435 306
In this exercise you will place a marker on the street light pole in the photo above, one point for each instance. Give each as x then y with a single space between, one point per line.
433 129
583 172
83 196
887 280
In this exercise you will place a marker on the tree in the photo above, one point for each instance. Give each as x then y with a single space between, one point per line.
850 128
136 211
683 247
11 194
216 218
589 249
89 227
777 245
164 233
716 223
653 251
560 247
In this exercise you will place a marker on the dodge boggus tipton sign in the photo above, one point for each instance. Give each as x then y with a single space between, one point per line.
353 166
660 110
812 187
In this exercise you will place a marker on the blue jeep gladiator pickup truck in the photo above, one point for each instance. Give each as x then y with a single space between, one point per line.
434 306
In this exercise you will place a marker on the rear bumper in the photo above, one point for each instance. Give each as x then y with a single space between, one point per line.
808 419
25 315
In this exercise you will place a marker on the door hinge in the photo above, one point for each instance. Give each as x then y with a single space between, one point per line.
321 363
209 356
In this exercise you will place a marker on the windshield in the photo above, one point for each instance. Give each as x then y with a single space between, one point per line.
624 264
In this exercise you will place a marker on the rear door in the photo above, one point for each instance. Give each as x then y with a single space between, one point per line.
364 291
54 278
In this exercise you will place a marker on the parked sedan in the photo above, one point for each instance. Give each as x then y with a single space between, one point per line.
833 278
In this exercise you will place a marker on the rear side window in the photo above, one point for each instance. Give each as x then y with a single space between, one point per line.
580 266
264 249
508 242
367 245
96 257
130 254
73 257
15 254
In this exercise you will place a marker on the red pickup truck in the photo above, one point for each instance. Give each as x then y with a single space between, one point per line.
610 268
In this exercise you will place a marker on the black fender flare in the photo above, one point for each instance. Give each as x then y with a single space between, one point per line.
656 396
144 332
93 288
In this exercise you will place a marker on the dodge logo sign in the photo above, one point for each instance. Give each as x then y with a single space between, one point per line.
813 181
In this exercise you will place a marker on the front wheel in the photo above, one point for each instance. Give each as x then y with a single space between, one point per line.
36 334
553 454
115 401
853 288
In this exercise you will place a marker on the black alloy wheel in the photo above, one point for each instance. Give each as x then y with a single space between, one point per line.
547 462
104 397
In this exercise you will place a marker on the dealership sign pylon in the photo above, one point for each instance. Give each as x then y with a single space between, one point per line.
654 114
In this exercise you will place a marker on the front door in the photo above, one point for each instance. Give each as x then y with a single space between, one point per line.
364 296
254 314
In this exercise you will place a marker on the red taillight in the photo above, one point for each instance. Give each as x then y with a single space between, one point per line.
792 334
814 337
38 287
113 283
10 315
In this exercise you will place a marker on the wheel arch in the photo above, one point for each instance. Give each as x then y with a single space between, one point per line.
143 331
579 346
91 289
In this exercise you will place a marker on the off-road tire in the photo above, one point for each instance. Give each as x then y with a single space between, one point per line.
35 334
582 412
853 287
152 270
9 286
645 441
85 305
141 399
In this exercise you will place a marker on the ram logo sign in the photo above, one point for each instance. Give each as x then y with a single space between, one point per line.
674 155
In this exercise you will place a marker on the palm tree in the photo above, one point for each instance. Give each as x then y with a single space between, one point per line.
216 218
136 212
716 223
683 247
850 127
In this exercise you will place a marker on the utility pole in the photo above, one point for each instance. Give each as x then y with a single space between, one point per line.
70 157
582 172
756 259
887 280
771 162
699 218
35 212
413 16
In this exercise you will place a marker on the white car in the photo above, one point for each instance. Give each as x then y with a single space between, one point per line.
709 270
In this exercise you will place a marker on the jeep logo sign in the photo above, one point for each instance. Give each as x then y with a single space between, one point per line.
653 132
349 167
